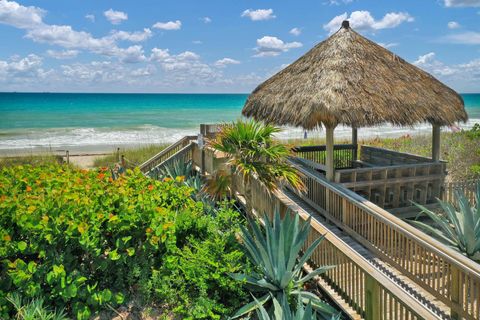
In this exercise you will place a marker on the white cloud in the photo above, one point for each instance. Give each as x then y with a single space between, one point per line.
468 37
206 19
269 46
132 54
339 2
363 21
463 75
388 45
66 37
104 71
143 72
62 54
453 25
258 15
28 68
170 25
197 42
295 31
90 17
137 36
115 17
14 14
222 63
462 3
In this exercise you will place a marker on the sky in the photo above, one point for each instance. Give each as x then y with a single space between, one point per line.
218 46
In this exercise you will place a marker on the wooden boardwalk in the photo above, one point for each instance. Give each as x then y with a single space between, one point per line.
385 268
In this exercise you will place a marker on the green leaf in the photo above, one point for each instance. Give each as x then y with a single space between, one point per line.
22 245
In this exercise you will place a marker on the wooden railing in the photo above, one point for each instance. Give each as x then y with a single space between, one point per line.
445 273
366 290
165 154
385 157
183 155
396 185
468 188
344 154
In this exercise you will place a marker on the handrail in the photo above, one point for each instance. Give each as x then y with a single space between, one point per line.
181 154
397 166
165 153
367 290
406 247
401 154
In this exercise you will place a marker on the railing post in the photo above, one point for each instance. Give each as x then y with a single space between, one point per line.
455 293
372 298
68 156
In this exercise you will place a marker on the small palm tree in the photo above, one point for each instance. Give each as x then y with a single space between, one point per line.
253 152
459 226
275 253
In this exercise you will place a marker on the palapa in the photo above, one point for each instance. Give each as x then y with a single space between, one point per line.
348 79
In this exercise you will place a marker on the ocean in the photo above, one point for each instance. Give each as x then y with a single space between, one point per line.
103 121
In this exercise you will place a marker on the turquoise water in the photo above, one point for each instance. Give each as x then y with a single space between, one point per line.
65 119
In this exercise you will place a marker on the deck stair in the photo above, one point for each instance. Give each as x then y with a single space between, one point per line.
170 153
439 310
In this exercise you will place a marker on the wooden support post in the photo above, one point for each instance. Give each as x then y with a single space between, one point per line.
355 142
436 143
118 154
372 298
330 159
455 290
68 156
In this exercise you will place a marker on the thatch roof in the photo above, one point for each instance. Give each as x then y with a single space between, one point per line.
348 79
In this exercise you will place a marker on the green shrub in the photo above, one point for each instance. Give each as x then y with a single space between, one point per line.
83 241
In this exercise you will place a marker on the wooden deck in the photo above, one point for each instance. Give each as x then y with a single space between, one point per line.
385 268
387 178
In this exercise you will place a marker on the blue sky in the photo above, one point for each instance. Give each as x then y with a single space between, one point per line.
217 46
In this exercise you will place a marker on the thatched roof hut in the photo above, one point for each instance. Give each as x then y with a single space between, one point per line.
348 79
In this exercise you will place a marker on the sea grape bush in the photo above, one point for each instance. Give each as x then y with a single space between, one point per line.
82 241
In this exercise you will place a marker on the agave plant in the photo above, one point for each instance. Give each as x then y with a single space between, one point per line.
34 309
252 151
459 226
282 311
275 253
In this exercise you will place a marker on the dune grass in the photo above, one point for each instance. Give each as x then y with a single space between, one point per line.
31 159
133 156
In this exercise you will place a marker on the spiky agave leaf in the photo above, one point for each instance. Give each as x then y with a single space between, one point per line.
275 251
459 227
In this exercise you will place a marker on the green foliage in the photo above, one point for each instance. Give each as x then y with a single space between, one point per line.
474 133
32 159
275 253
282 311
134 156
195 279
34 309
254 152
84 241
459 227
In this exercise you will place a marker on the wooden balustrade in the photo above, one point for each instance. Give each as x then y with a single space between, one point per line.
344 154
468 188
165 154
385 157
183 155
367 291
396 185
445 273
